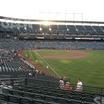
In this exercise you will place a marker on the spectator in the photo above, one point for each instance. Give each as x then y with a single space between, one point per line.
3 86
61 83
36 73
67 86
30 74
79 87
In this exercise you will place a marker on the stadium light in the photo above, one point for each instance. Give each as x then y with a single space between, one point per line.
50 29
67 29
40 29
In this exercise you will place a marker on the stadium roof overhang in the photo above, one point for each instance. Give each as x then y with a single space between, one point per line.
48 22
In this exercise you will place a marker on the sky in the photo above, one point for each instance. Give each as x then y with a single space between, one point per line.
82 10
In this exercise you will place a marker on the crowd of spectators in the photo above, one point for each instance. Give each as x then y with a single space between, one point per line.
36 44
66 85
4 86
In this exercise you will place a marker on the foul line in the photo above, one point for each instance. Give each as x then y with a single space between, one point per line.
45 61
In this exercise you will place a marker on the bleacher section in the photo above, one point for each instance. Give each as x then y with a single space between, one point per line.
59 30
17 86
21 88
12 65
44 92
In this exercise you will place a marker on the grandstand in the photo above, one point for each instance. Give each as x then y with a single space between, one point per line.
59 30
18 34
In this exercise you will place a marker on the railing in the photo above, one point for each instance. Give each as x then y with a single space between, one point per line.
28 80
98 93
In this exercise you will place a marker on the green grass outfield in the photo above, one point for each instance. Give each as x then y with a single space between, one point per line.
90 69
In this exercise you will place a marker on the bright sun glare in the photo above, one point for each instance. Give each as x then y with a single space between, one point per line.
46 23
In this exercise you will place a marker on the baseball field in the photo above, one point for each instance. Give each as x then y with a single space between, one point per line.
88 65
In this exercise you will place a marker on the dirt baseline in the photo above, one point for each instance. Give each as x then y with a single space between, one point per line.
72 54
